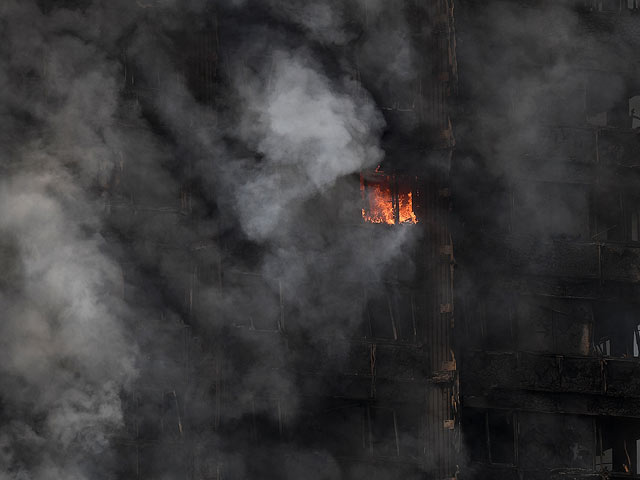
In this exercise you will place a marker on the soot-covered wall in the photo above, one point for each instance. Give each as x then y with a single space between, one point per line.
546 244
189 287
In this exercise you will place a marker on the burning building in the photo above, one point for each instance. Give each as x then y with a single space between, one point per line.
230 234
345 369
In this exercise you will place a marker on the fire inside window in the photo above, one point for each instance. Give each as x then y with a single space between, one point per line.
386 198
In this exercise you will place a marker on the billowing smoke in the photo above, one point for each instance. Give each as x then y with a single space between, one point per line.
535 90
66 353
117 179
310 135
541 83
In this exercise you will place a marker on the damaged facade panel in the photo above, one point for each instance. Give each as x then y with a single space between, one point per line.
547 254
535 194
530 371
379 402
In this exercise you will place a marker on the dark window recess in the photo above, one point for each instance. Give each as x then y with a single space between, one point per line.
390 314
617 330
603 347
555 326
497 324
474 434
535 328
379 312
618 218
549 441
409 419
128 464
619 147
617 445
202 65
551 210
383 432
362 429
631 205
609 218
572 331
501 437
489 436
267 418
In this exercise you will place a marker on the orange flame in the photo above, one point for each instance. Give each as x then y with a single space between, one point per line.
382 206
405 209
627 466
380 203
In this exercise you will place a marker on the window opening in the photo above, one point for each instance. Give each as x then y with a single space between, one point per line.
490 435
387 198
604 347
383 431
605 461
617 445
501 437
389 314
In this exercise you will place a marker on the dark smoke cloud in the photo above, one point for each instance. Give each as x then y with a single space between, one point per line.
276 171
536 81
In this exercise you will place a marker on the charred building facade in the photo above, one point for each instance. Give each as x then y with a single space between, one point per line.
547 302
345 370
232 229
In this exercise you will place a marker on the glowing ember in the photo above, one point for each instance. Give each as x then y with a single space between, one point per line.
405 208
380 202
386 201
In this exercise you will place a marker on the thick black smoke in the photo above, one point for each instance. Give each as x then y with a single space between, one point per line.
124 195
539 83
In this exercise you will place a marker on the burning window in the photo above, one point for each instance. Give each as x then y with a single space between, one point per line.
387 198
